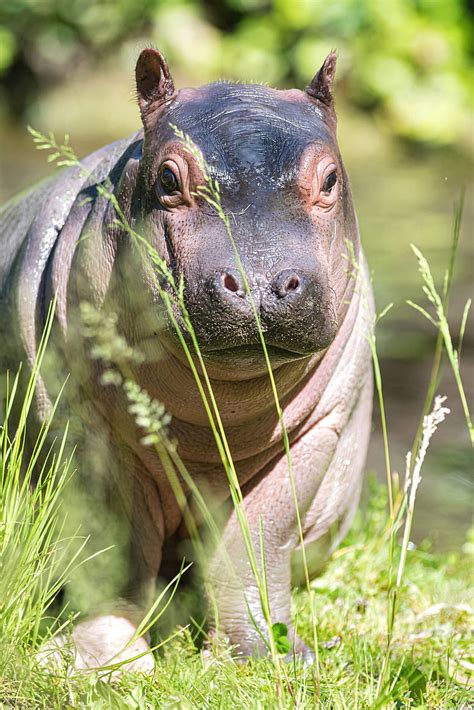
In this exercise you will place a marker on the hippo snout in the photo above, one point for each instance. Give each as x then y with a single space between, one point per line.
293 305
287 283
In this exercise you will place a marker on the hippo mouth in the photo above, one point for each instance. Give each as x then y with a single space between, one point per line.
252 352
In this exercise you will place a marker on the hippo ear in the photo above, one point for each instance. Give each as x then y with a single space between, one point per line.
320 87
155 85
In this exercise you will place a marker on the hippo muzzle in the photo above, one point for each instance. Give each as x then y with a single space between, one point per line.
294 309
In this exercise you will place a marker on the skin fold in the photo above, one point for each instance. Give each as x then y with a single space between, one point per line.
283 184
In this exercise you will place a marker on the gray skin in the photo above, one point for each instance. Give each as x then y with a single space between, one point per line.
276 158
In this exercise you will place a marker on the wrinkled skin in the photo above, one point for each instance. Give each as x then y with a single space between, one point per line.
284 186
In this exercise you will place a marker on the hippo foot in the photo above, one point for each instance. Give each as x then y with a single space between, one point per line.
97 643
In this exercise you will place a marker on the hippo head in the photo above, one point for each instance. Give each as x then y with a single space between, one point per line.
285 190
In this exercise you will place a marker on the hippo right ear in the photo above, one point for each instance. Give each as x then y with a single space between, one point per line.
155 86
320 87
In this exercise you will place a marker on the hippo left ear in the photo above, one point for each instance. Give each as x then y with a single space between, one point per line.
155 85
321 85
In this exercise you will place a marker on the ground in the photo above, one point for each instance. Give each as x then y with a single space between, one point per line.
430 661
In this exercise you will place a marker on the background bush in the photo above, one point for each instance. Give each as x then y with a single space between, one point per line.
407 61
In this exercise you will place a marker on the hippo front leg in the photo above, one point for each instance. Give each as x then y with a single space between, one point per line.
269 497
108 634
327 467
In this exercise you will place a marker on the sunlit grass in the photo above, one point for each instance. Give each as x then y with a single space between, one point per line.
430 656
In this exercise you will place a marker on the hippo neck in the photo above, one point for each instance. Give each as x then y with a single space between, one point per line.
239 400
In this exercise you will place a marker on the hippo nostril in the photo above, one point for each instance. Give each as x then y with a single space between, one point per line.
292 284
231 283
286 283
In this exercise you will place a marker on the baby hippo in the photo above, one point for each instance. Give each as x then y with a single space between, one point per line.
284 188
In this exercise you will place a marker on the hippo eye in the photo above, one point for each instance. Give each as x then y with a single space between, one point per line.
330 181
172 186
169 181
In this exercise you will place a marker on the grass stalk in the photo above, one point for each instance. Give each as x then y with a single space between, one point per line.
210 192
438 351
30 531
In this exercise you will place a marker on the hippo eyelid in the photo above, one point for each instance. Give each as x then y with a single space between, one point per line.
319 164
178 168
326 184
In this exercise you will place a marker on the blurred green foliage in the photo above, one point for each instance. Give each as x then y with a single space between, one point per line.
405 60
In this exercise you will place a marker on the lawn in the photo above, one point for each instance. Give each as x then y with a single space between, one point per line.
431 659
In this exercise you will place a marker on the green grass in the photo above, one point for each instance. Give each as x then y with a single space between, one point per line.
429 647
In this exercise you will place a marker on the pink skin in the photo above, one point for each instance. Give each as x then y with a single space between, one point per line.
326 395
